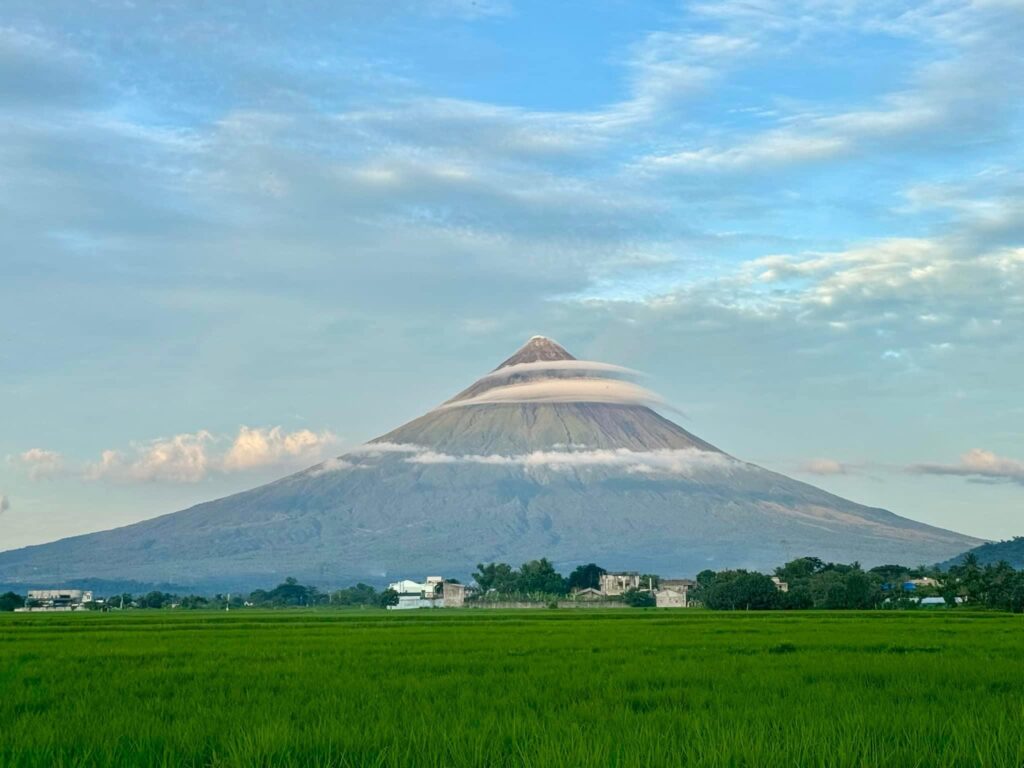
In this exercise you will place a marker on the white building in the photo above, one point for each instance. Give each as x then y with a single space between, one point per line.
435 592
617 583
56 600
674 593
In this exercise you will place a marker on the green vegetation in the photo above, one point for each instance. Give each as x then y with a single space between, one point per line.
812 583
586 577
536 580
800 584
620 688
1010 550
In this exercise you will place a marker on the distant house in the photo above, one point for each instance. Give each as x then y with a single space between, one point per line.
914 584
937 602
674 593
782 586
616 583
56 600
589 593
435 592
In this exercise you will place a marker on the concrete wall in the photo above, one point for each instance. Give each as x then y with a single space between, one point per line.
561 604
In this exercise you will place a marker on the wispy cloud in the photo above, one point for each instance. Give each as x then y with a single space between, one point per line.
980 465
824 467
5 503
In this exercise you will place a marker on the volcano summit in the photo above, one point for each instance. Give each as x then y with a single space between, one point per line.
546 455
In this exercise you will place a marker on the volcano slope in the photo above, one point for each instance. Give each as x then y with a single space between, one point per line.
545 456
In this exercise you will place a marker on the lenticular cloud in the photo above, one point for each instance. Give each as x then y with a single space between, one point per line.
559 366
669 461
575 390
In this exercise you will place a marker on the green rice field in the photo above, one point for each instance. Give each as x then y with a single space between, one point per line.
512 688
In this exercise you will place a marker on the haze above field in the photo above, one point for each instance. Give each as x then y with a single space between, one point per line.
233 244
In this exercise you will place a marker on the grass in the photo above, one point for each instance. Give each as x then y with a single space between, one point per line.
525 688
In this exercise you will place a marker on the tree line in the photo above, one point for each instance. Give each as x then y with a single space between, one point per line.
813 583
809 583
289 593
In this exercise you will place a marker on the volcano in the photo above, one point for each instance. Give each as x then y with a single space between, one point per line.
546 455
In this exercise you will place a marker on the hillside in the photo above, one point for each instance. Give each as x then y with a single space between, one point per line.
1011 550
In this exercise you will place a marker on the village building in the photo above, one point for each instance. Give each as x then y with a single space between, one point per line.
435 592
613 584
56 600
780 585
673 593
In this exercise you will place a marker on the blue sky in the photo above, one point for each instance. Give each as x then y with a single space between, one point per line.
235 239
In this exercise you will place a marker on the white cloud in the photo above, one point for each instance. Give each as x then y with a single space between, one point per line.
383 446
565 391
577 366
39 463
180 459
5 504
948 101
261 447
669 461
331 465
980 465
824 467
192 457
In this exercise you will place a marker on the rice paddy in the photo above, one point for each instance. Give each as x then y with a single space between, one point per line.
524 688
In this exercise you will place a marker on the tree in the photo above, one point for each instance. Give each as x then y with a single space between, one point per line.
862 591
387 598
1017 593
971 578
156 599
290 592
741 590
798 598
11 600
828 590
637 598
800 569
497 576
586 577
998 585
360 594
540 576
